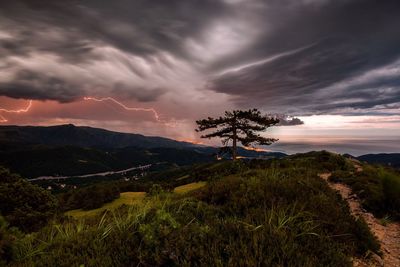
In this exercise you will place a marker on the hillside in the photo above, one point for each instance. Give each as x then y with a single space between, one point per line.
81 136
34 151
389 159
247 213
43 160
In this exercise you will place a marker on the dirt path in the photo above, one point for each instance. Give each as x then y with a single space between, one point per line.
388 235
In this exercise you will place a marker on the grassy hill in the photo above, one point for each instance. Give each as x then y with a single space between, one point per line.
255 213
126 198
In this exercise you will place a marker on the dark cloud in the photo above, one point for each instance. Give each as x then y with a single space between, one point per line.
285 120
287 56
141 94
318 45
31 85
71 29
83 34
292 75
39 86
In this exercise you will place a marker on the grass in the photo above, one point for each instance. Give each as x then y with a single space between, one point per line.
257 215
126 198
376 186
129 198
188 187
183 177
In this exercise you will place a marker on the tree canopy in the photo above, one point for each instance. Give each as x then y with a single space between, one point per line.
239 126
23 204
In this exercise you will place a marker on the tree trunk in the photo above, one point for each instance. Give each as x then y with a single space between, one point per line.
234 153
234 140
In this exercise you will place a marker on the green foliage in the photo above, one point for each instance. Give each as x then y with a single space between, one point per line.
391 192
378 188
90 197
24 205
6 242
155 190
239 126
323 161
367 241
277 213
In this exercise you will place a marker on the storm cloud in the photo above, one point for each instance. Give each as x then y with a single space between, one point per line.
312 46
139 47
288 56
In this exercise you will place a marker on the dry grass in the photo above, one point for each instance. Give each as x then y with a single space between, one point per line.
188 187
127 198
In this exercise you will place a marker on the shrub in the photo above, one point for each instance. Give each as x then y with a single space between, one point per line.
24 205
90 197
6 242
272 215
378 188
391 192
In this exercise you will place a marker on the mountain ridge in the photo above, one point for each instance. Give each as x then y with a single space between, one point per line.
34 151
83 136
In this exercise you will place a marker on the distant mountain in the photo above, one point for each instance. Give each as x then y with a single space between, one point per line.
34 151
80 136
243 152
390 159
43 160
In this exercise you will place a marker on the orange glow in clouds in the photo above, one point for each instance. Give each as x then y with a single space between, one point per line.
152 110
22 110
155 114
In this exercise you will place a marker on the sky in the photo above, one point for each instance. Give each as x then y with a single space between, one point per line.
154 67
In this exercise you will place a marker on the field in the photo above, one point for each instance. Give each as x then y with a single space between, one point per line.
127 198
188 187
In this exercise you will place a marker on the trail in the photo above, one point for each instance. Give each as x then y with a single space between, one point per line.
388 235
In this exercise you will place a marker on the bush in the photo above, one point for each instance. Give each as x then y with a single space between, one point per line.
377 187
264 216
24 205
6 242
90 197
391 193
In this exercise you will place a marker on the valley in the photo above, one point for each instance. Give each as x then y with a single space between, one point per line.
123 172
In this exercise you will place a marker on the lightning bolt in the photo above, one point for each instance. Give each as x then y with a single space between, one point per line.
152 110
157 117
22 110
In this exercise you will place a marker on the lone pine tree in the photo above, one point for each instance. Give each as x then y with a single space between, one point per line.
239 126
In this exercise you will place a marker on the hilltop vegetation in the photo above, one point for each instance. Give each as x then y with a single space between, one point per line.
24 205
378 188
256 213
